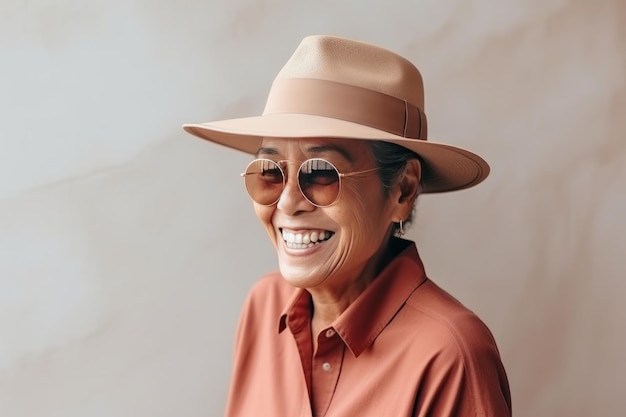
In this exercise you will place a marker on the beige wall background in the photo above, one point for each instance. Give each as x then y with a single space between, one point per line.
126 247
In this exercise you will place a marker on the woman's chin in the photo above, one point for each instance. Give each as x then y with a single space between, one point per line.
300 276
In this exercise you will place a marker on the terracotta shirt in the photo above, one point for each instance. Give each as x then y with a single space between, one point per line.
404 347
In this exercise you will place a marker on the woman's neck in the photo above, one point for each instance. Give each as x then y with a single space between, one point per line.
330 301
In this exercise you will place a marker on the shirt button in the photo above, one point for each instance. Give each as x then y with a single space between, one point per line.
326 366
330 333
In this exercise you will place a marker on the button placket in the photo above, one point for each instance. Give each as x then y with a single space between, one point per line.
327 368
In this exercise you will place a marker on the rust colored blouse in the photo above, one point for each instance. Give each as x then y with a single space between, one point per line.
405 347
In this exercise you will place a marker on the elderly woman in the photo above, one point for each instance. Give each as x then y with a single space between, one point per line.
351 325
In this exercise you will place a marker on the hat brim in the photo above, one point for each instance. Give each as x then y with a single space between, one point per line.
446 167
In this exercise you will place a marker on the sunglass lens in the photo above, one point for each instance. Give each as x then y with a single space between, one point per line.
319 181
264 181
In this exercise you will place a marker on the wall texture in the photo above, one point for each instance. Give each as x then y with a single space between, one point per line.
126 246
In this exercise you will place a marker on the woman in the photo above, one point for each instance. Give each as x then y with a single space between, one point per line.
351 325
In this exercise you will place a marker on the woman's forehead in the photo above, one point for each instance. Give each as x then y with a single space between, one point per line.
350 149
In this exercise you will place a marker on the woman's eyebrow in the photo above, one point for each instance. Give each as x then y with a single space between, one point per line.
318 149
266 151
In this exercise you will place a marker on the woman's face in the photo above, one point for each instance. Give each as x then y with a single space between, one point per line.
351 234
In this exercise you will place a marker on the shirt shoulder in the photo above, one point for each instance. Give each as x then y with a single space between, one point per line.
446 314
460 343
271 285
265 302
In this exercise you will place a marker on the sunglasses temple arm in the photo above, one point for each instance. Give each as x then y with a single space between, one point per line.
349 174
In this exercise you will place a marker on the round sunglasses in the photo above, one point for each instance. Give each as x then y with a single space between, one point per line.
319 181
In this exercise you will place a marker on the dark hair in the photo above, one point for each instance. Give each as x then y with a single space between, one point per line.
392 160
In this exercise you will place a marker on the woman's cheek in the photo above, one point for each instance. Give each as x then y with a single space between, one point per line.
264 214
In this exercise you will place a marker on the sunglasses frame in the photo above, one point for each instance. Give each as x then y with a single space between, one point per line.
340 175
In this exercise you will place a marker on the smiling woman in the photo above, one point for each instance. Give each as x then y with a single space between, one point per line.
354 225
351 325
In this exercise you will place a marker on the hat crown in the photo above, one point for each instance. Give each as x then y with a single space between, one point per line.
358 64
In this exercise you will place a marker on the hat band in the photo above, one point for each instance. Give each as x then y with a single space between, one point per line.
346 102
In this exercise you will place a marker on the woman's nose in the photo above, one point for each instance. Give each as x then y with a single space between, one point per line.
291 199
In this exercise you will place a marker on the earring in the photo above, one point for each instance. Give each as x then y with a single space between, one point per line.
401 230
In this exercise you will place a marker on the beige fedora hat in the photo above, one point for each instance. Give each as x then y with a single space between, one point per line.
341 88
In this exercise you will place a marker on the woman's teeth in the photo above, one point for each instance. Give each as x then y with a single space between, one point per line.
306 239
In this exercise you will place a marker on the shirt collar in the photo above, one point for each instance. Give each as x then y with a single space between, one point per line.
298 310
368 315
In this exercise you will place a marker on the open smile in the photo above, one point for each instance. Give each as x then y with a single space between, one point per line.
305 239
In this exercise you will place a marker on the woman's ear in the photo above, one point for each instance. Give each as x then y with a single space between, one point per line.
408 189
